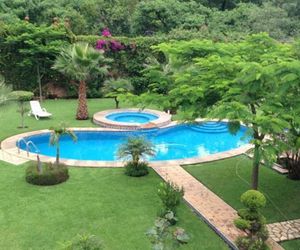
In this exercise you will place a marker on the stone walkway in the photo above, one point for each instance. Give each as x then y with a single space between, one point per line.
286 230
218 214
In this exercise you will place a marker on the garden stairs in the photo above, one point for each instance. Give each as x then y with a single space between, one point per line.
217 213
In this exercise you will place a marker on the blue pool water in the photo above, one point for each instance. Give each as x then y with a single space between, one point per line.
132 117
178 142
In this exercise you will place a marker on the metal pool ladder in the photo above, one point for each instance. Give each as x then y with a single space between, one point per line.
28 144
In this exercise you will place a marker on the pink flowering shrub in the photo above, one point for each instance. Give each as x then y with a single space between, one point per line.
109 45
105 32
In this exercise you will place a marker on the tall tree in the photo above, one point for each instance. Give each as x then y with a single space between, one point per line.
80 62
288 74
33 49
234 81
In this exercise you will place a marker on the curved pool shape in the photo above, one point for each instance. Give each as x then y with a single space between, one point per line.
177 142
132 117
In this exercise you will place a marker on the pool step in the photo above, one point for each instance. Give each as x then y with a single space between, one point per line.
211 127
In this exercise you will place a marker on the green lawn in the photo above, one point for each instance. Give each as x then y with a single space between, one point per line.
291 244
229 179
62 110
117 208
105 202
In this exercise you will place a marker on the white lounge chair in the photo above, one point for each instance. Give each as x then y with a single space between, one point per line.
37 111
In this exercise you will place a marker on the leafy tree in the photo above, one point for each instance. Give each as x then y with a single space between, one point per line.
251 19
115 88
164 15
234 81
86 17
288 74
79 62
33 49
55 136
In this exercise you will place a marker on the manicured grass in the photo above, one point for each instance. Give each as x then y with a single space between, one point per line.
62 110
104 202
291 244
230 178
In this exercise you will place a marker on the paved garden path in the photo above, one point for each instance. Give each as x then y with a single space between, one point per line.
217 213
286 230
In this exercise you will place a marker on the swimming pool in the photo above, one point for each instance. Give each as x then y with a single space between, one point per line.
132 117
176 142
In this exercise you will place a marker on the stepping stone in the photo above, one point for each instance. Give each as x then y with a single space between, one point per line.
286 230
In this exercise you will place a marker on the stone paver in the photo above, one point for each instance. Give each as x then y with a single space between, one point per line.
279 169
286 230
7 157
217 213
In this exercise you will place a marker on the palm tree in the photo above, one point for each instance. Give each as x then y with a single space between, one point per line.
136 148
79 61
55 136
116 87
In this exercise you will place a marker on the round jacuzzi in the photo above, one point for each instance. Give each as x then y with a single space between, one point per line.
132 119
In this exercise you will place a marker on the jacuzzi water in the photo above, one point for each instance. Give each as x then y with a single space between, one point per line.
132 117
178 142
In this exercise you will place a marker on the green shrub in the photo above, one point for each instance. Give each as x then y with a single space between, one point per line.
163 236
252 222
50 174
141 169
170 196
21 96
253 199
83 242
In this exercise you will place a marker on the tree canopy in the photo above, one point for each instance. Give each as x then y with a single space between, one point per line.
136 17
241 81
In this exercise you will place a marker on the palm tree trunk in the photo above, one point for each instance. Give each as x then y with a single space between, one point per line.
57 154
82 111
